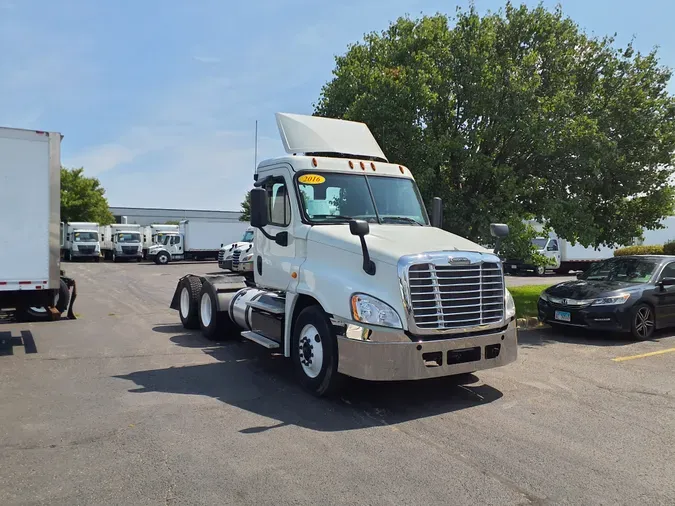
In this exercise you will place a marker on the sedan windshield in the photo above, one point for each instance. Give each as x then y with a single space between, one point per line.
629 270
128 237
333 198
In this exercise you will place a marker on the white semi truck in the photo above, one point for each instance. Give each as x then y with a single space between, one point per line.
32 285
195 240
122 241
226 253
154 234
350 276
80 240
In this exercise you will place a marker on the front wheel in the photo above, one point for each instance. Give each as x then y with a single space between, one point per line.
162 258
314 351
540 271
643 322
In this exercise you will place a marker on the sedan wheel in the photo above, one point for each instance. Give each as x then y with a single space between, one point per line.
643 323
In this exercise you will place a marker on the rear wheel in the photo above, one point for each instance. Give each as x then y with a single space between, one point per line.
41 313
189 302
216 325
314 351
643 322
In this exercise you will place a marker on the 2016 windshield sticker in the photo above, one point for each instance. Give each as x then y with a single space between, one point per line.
311 179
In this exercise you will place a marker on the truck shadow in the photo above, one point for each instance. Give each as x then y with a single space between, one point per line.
251 378
547 335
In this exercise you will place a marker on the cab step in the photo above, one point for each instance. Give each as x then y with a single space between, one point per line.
260 339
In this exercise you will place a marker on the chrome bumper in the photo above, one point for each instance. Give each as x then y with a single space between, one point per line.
392 356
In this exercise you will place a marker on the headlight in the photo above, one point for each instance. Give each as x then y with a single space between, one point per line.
543 296
614 300
509 304
367 309
75 248
97 248
247 258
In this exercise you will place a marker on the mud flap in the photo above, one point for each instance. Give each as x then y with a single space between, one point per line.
70 283
175 304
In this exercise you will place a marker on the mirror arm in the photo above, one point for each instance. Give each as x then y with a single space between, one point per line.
368 264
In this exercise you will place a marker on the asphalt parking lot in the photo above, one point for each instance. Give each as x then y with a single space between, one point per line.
122 406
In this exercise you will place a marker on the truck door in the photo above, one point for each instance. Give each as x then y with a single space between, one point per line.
176 247
272 263
553 252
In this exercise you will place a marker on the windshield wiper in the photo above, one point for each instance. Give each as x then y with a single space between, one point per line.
402 218
336 216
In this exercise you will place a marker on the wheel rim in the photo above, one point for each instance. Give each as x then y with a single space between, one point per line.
310 351
644 323
205 310
540 271
184 302
162 259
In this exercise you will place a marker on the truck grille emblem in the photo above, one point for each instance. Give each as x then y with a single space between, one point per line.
458 260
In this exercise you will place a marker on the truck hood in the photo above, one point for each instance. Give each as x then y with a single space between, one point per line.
388 243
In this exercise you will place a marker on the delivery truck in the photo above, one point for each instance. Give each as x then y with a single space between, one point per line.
196 240
227 251
350 276
122 241
154 234
80 241
32 285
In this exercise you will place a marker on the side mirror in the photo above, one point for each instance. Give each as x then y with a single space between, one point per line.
359 227
259 208
499 230
667 282
437 212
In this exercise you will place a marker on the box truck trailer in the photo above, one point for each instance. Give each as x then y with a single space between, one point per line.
32 285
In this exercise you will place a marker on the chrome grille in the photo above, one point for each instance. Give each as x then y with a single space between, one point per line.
221 255
235 258
448 297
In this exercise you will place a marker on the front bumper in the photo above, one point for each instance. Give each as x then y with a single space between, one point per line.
79 254
612 318
225 264
392 356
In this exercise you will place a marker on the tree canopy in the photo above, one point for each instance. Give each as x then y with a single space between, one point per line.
517 114
246 208
83 198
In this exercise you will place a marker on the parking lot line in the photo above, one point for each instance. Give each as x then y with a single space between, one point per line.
643 355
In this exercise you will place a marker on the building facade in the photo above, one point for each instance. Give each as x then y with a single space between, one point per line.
147 216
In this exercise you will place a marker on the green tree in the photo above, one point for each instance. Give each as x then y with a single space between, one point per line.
517 113
172 222
246 208
83 198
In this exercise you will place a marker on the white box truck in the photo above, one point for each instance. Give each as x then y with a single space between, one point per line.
196 239
154 234
122 241
351 278
32 285
80 240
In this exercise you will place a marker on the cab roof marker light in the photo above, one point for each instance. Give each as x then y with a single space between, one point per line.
363 165
351 164
314 162
372 166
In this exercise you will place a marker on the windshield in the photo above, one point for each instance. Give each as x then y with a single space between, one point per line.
166 239
248 236
128 237
85 237
376 199
539 242
630 270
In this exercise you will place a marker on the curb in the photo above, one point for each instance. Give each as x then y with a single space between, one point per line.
531 322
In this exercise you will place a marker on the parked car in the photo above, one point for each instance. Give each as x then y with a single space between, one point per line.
633 294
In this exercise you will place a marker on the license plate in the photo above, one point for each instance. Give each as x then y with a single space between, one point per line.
563 316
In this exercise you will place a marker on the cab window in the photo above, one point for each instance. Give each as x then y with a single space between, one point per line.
278 203
668 271
552 245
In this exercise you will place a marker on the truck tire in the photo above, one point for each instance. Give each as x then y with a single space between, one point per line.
113 257
216 325
162 258
41 314
314 351
189 302
97 259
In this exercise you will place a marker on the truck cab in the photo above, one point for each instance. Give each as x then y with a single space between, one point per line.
81 240
123 242
155 233
351 278
226 253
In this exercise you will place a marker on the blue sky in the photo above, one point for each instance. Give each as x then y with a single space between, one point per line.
159 99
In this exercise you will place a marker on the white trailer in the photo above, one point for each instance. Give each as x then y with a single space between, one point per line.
122 242
32 285
350 277
196 239
154 234
80 240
